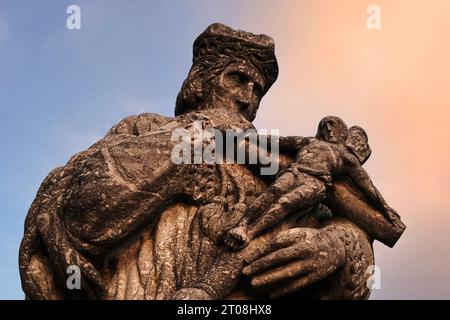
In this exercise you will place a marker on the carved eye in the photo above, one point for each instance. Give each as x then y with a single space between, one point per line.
237 78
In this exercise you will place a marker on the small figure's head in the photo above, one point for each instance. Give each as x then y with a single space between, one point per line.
332 129
231 68
358 143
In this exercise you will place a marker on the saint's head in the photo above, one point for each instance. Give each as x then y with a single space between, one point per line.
358 143
231 69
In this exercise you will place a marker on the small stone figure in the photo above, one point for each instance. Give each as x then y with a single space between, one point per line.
335 151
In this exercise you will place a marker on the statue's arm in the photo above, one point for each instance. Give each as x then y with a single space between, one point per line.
338 254
347 201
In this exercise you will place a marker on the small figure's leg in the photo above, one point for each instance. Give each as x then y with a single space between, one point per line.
310 193
238 237
275 214
284 182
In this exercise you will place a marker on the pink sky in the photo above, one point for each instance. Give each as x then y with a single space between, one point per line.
395 82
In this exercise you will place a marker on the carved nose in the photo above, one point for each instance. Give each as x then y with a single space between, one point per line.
246 95
330 130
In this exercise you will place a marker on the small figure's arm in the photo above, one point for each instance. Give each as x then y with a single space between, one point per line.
289 147
361 178
292 143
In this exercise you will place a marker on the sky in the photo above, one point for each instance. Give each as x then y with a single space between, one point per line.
61 90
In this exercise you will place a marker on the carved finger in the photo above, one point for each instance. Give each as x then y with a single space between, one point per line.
295 285
276 258
282 240
254 252
282 273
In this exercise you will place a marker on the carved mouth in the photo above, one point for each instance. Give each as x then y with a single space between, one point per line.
242 105
244 108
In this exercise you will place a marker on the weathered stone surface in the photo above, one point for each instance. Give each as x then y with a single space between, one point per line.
140 226
333 153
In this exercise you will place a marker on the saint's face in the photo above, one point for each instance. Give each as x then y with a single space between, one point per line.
240 87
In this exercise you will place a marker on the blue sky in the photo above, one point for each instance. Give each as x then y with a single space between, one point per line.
61 90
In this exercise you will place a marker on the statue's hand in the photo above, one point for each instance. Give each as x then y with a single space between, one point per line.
293 260
191 294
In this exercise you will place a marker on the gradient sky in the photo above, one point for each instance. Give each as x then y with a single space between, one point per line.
61 90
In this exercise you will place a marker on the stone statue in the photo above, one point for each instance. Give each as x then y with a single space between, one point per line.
139 226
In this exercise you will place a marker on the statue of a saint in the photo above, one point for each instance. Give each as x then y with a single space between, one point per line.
139 226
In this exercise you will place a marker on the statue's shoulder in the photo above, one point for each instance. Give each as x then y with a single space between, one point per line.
139 124
131 126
